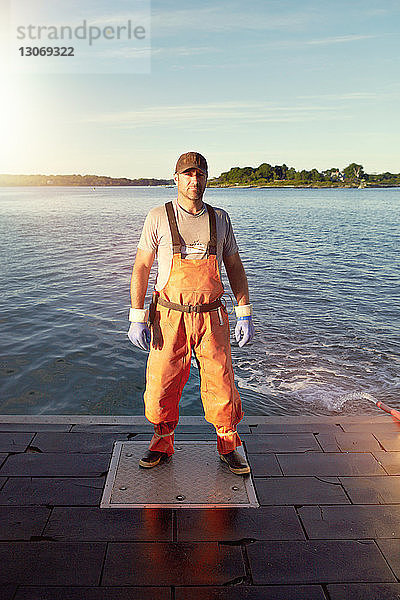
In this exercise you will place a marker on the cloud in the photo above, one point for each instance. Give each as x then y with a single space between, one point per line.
354 96
136 19
212 18
124 53
343 96
162 51
224 17
340 39
215 113
252 49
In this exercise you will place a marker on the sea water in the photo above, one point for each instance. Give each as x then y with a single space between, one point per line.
323 272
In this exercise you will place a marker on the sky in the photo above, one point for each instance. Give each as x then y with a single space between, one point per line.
313 84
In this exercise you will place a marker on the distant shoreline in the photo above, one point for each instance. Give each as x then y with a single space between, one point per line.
240 187
305 186
98 181
93 181
83 185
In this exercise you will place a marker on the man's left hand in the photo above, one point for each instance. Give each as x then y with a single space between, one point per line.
244 330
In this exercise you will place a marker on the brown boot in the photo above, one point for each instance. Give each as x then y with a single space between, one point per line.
236 462
152 458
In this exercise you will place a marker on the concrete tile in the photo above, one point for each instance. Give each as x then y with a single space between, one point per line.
372 426
294 427
7 592
300 490
389 441
34 427
354 441
56 465
117 524
390 549
184 437
332 464
263 465
372 490
265 523
260 592
15 442
187 437
281 442
390 461
3 458
2 481
51 563
22 522
204 427
364 591
319 561
123 428
174 563
93 593
27 491
78 442
243 428
351 522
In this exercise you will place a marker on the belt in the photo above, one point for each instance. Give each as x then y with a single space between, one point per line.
191 308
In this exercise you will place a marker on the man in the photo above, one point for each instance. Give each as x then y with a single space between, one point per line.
190 239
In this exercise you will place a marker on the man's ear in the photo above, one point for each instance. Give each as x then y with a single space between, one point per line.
176 178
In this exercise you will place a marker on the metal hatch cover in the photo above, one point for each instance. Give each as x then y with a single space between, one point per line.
195 477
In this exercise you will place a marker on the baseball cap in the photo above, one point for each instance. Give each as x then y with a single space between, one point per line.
191 160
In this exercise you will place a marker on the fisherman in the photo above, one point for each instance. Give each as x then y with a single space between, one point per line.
190 240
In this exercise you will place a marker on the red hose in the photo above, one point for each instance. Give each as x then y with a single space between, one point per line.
395 413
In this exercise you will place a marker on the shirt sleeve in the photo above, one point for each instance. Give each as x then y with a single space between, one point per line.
230 244
149 238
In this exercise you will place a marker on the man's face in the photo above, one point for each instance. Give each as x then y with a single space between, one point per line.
191 183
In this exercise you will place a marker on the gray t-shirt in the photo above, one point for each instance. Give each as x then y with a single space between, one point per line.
194 231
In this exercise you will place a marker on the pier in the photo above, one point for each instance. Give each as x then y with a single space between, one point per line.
327 528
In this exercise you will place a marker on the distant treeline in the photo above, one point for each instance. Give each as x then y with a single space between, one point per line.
65 180
266 174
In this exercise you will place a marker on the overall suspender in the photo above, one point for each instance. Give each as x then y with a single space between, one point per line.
176 242
176 249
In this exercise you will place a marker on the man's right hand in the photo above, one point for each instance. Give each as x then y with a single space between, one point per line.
139 335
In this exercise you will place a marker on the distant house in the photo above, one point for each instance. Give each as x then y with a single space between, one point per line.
337 176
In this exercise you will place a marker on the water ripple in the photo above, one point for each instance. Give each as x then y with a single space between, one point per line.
324 280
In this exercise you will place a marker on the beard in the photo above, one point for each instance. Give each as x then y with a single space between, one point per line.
194 193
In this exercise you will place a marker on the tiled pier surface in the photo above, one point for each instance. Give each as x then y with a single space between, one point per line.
328 527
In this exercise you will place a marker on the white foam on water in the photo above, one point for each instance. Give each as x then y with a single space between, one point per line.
306 378
353 396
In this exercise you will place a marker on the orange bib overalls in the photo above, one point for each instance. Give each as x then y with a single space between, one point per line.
175 332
